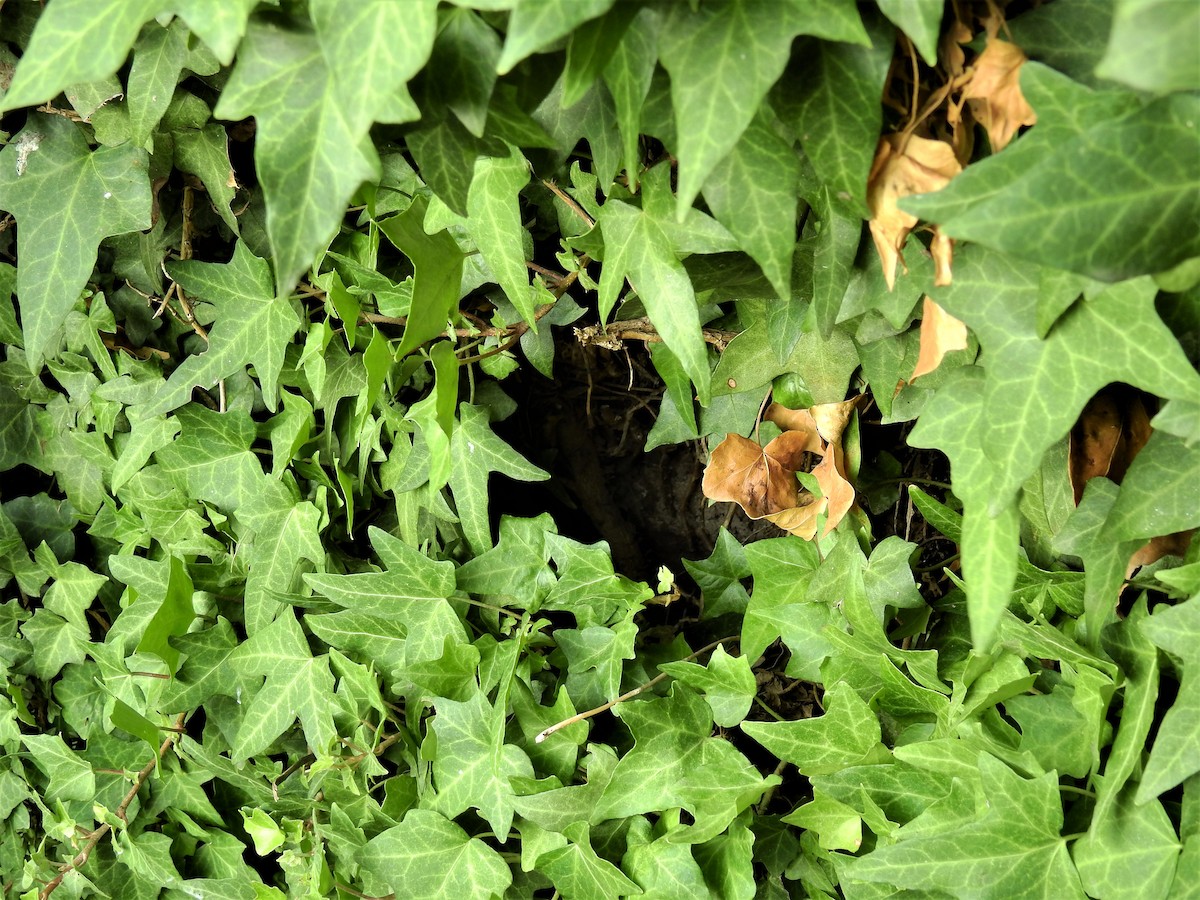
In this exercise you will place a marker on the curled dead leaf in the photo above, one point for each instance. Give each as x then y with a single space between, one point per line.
837 494
941 333
1111 430
903 166
761 480
994 92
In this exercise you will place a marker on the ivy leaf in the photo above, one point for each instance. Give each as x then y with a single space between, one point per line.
587 586
428 856
727 684
48 165
592 46
921 20
297 687
1130 170
172 618
1157 497
752 192
723 58
71 778
475 451
252 327
206 671
389 42
1150 46
438 263
577 871
310 154
843 736
511 568
1130 853
285 537
212 458
628 76
158 58
472 765
834 110
495 221
1013 849
535 24
204 152
637 247
1173 758
84 40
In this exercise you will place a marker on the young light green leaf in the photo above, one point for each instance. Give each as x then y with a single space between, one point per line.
310 153
106 192
71 778
428 856
723 59
253 327
535 24
493 208
438 263
1013 849
297 687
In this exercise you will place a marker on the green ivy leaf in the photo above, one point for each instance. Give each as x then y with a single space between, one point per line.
535 24
472 765
172 618
1129 170
494 212
1172 758
1150 46
203 152
752 192
297 686
252 327
212 458
1157 497
592 46
286 536
727 684
206 671
428 856
577 871
438 263
921 20
106 192
158 58
723 58
71 778
1013 849
1130 853
843 736
835 110
310 153
475 451
82 40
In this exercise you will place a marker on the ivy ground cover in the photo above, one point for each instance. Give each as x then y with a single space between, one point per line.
288 610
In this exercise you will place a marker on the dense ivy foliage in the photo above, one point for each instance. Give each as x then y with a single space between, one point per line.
269 271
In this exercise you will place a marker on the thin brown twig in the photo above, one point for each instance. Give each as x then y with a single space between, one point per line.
80 859
569 201
611 335
628 695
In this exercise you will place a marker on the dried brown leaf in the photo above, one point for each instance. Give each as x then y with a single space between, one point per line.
761 480
1109 433
903 166
994 92
797 421
836 490
941 333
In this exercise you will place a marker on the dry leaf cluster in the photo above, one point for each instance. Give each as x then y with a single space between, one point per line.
762 480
